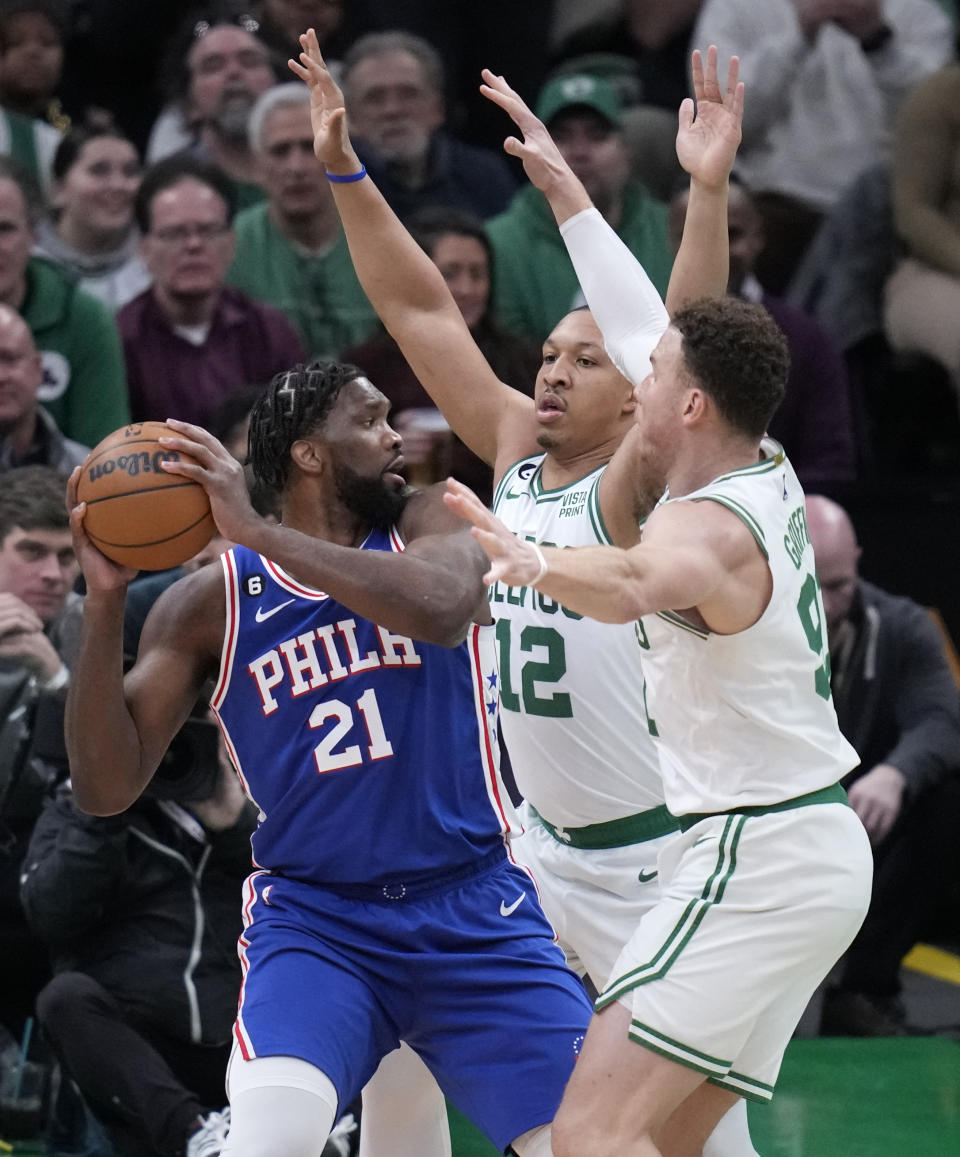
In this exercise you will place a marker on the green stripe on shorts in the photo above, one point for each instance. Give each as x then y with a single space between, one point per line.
745 1087
677 1050
679 936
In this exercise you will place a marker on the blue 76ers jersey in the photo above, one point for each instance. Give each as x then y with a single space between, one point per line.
371 757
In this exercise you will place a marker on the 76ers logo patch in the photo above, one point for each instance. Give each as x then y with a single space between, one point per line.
253 584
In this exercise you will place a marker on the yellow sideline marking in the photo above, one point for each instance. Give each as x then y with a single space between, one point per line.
934 962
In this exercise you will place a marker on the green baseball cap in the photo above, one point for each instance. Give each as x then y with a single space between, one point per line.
580 90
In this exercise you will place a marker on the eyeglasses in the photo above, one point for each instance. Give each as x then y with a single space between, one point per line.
247 22
206 232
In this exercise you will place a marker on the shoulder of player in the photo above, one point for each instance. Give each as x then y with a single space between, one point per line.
427 514
703 523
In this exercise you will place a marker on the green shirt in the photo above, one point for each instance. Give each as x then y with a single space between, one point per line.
84 379
319 293
534 281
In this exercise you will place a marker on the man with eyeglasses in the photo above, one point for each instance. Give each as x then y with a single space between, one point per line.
189 340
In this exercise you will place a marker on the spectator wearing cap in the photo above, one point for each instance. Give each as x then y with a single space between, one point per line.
535 284
393 86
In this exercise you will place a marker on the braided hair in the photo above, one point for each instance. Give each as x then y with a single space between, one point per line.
295 403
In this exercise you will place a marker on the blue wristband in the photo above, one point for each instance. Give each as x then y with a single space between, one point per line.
347 178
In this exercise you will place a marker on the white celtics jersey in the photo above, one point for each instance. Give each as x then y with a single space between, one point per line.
748 719
571 689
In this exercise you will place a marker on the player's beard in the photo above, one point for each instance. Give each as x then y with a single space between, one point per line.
370 499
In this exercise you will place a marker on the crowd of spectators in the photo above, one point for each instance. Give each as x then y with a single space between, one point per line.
169 242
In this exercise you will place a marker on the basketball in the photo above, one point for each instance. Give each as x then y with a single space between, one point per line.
137 514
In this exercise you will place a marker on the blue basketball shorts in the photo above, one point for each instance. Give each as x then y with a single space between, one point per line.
469 975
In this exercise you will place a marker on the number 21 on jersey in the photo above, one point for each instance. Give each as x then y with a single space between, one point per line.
328 757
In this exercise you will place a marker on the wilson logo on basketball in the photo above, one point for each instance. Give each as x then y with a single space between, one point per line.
138 514
133 464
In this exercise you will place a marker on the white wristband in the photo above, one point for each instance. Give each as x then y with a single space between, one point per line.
543 565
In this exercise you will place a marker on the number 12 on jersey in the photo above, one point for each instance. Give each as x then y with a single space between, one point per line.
549 667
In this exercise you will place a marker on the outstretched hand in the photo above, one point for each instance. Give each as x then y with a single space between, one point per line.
331 141
513 560
709 132
542 160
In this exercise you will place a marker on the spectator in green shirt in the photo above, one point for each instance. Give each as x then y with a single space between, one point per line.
291 251
84 385
535 284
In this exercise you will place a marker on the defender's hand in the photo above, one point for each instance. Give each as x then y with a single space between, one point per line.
514 561
709 132
542 160
331 141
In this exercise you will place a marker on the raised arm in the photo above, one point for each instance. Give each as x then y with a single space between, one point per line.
707 141
409 293
621 297
772 45
118 728
430 591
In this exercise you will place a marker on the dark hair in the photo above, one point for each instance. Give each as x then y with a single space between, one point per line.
32 497
171 171
295 404
12 170
736 351
428 225
381 43
76 139
52 9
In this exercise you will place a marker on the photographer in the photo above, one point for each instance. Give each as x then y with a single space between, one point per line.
39 629
141 914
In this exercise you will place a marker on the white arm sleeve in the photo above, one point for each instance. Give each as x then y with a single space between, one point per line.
621 297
